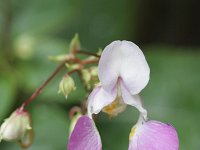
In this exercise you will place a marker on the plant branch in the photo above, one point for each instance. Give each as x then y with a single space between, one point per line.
38 91
87 53
75 60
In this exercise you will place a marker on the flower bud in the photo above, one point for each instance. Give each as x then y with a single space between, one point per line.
74 44
86 75
16 127
90 77
61 58
66 86
72 66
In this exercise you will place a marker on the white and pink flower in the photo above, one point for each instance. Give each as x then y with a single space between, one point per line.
123 73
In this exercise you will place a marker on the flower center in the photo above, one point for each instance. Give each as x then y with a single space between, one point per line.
117 106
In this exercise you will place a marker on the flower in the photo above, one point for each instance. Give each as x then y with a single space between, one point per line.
17 128
123 72
153 135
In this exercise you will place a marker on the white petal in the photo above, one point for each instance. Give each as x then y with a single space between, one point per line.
123 59
109 65
134 68
99 98
133 100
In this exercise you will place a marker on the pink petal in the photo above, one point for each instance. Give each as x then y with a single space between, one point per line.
154 135
123 59
99 98
85 136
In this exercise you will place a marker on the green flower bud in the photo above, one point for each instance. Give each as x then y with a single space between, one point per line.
16 127
90 77
61 58
72 66
74 44
94 71
86 75
66 86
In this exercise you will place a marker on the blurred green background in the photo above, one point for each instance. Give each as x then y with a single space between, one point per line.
167 31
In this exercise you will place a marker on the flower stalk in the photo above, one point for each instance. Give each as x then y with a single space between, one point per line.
74 59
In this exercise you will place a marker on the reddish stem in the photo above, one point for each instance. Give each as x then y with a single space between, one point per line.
38 91
75 60
87 53
74 110
93 61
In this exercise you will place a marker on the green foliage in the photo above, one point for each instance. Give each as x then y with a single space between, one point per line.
8 93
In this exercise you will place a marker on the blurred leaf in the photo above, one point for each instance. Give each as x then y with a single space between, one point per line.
8 93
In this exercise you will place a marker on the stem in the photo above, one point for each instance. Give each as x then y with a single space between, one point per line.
87 53
73 111
71 72
85 62
82 63
38 91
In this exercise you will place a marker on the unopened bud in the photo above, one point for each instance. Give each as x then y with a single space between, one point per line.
16 127
86 75
74 44
61 58
99 52
94 71
90 77
72 66
66 86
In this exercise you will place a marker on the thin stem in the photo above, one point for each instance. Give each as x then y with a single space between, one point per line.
82 63
85 62
38 91
71 72
87 53
73 111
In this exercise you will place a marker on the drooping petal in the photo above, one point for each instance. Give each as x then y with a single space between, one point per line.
154 135
123 59
100 98
85 136
133 100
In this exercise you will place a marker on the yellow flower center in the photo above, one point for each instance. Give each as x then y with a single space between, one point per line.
117 106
